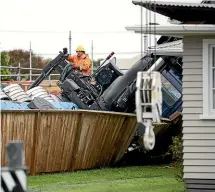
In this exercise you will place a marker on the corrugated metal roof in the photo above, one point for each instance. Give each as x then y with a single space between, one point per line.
190 13
174 48
208 1
171 45
172 4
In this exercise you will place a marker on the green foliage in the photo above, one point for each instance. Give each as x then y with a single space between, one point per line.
96 63
23 57
46 61
25 77
127 179
5 62
176 149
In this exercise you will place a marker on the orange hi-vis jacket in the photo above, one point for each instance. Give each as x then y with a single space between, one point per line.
83 62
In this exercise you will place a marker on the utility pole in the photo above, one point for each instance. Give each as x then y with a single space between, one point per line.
146 35
92 54
30 61
70 40
145 44
141 34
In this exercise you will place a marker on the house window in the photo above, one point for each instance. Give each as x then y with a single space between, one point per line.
208 78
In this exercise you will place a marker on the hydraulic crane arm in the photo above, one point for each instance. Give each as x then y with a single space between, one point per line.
58 63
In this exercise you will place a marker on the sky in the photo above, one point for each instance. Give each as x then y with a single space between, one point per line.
46 24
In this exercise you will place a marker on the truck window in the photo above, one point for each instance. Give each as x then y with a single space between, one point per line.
170 93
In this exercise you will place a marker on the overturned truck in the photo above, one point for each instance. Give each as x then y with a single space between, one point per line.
109 89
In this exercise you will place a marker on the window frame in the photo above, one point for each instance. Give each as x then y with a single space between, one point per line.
165 82
207 58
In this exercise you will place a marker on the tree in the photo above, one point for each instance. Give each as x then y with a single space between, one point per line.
4 61
46 61
23 57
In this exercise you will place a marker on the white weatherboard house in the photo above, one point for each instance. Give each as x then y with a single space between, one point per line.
198 50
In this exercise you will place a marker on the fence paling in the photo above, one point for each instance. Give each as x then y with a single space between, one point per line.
60 140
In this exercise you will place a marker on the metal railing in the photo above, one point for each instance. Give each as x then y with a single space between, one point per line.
19 74
30 75
49 83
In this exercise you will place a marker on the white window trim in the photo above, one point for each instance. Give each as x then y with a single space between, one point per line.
207 111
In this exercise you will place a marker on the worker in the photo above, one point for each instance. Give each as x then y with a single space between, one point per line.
81 62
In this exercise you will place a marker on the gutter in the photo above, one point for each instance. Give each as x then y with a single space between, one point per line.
174 30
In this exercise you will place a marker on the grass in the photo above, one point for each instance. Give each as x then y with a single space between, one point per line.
153 178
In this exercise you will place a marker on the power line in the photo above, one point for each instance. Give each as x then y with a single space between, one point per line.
73 32
105 53
17 31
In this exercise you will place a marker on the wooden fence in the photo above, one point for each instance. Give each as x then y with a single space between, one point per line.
57 140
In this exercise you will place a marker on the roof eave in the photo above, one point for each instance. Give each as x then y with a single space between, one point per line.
145 3
184 12
174 30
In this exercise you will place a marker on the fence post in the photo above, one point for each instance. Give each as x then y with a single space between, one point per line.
19 73
30 61
14 176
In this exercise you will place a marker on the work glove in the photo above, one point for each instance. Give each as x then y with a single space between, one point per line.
77 67
65 51
74 66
